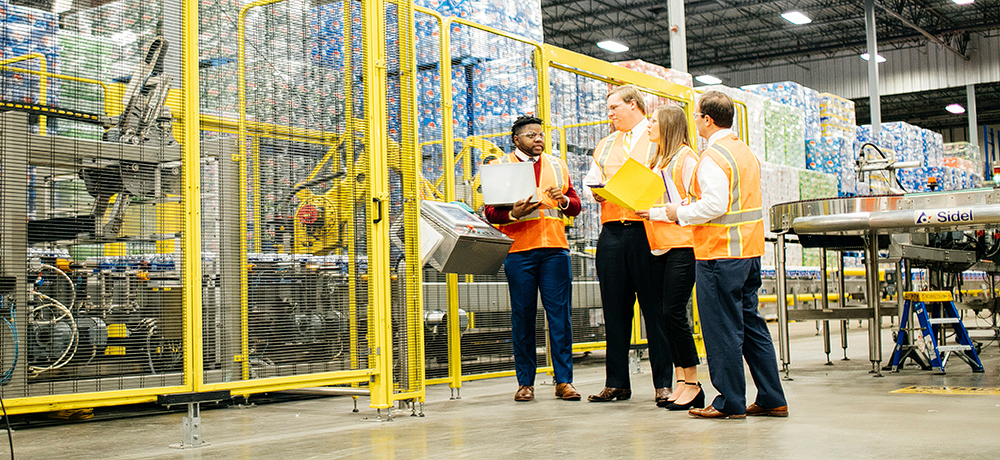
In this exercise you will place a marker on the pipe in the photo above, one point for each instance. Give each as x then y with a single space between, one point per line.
882 220
873 95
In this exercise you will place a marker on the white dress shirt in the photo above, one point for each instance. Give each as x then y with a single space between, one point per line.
714 190
593 177
687 171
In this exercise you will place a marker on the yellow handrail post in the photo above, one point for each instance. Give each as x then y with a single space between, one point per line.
43 85
191 148
373 18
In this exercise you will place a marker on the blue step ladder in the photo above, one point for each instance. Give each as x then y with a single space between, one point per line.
943 314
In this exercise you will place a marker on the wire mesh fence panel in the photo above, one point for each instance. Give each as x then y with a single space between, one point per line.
288 293
91 196
404 192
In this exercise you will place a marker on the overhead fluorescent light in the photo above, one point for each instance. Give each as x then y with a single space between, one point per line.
612 46
878 57
796 17
955 108
708 79
964 2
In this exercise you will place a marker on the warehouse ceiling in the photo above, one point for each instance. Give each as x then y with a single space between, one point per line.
743 34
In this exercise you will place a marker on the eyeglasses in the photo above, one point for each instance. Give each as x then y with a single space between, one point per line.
531 135
698 115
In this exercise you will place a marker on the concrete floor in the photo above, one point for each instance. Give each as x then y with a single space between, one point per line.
837 411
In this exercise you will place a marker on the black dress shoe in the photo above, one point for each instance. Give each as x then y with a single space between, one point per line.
698 401
610 394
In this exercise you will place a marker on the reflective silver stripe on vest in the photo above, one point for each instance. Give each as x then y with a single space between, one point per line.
537 214
737 218
734 205
558 172
735 248
602 158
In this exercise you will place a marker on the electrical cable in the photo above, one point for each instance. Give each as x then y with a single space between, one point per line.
10 372
12 324
72 286
884 157
74 336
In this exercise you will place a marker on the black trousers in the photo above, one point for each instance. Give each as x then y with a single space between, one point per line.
676 271
625 271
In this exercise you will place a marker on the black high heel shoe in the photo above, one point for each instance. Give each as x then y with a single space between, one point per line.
698 401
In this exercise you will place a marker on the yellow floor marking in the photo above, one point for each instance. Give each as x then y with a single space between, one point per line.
930 390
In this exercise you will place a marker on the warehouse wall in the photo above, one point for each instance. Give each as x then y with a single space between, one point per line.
923 68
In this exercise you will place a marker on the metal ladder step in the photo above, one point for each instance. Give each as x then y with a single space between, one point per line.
944 320
944 348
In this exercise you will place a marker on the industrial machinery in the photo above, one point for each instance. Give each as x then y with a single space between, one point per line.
943 232
96 312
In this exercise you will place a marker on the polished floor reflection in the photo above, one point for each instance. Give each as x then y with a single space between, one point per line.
838 411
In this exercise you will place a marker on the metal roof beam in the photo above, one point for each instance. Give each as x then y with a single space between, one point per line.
925 33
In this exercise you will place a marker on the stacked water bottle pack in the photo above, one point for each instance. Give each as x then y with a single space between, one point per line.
25 31
798 96
963 156
493 79
130 24
905 142
836 116
755 105
784 130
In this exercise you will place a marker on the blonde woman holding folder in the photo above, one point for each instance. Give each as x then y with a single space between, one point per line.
673 248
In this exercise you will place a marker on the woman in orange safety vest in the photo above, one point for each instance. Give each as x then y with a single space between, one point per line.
673 247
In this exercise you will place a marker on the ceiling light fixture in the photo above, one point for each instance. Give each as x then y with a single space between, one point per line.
964 2
708 79
612 46
955 108
796 17
878 57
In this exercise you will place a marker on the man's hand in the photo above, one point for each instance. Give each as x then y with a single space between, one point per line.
523 208
671 209
644 213
556 194
597 197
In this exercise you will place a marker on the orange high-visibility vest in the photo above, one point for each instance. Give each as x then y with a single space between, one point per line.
739 233
610 155
668 235
543 228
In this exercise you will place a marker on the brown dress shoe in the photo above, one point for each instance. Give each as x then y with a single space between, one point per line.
524 393
567 392
662 394
712 412
609 394
755 410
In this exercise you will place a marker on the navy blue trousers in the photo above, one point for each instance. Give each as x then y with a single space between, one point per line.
734 331
548 271
625 269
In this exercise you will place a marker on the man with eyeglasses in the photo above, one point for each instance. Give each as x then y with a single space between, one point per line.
726 215
624 260
539 261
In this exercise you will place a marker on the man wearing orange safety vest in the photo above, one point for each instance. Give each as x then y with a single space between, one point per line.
624 261
726 215
539 261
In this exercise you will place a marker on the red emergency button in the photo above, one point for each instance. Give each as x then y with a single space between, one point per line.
308 214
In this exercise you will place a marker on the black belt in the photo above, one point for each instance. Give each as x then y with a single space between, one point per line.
622 223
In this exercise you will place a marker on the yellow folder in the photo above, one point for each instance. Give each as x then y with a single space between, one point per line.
633 187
